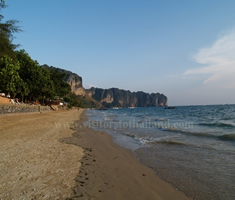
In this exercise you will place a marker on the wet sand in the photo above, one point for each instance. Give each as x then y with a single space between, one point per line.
41 158
109 171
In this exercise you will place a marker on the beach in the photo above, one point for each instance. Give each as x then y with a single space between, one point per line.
53 156
34 164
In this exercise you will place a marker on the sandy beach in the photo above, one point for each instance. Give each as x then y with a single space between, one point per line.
34 164
44 156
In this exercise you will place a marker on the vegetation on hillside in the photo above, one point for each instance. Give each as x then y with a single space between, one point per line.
23 77
81 101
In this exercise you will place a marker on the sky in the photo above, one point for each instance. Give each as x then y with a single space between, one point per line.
184 49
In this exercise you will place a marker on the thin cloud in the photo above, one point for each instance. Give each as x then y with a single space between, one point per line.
218 61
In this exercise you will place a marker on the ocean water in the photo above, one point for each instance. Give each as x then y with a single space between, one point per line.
191 147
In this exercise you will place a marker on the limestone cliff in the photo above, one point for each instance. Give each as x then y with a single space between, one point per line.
115 97
72 79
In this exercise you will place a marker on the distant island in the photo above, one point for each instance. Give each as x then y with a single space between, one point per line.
112 97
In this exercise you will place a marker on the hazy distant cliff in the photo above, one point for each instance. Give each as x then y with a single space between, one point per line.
124 98
72 79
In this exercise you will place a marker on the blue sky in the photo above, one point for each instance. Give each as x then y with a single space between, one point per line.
182 48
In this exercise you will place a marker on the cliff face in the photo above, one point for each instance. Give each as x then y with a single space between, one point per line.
115 97
72 79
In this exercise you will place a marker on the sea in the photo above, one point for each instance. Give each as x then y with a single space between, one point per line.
190 147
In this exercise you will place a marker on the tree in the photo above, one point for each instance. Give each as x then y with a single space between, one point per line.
42 82
7 29
47 88
61 87
23 89
9 76
35 80
35 77
27 67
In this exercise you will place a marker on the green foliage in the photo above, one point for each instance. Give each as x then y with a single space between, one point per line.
23 76
88 102
61 87
81 101
7 29
67 99
10 81
70 106
46 86
42 82
74 100
6 47
30 72
23 89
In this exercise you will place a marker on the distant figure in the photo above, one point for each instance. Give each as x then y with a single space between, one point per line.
8 96
17 101
12 101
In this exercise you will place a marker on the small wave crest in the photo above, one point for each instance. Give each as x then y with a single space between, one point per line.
189 133
107 118
218 124
168 143
228 137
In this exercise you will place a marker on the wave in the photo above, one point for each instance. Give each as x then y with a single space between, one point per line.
162 119
107 118
188 132
228 118
221 125
150 141
168 143
228 137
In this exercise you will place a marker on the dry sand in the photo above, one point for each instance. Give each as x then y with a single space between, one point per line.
34 164
40 158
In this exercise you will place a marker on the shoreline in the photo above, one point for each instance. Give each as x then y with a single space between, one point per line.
38 161
109 171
